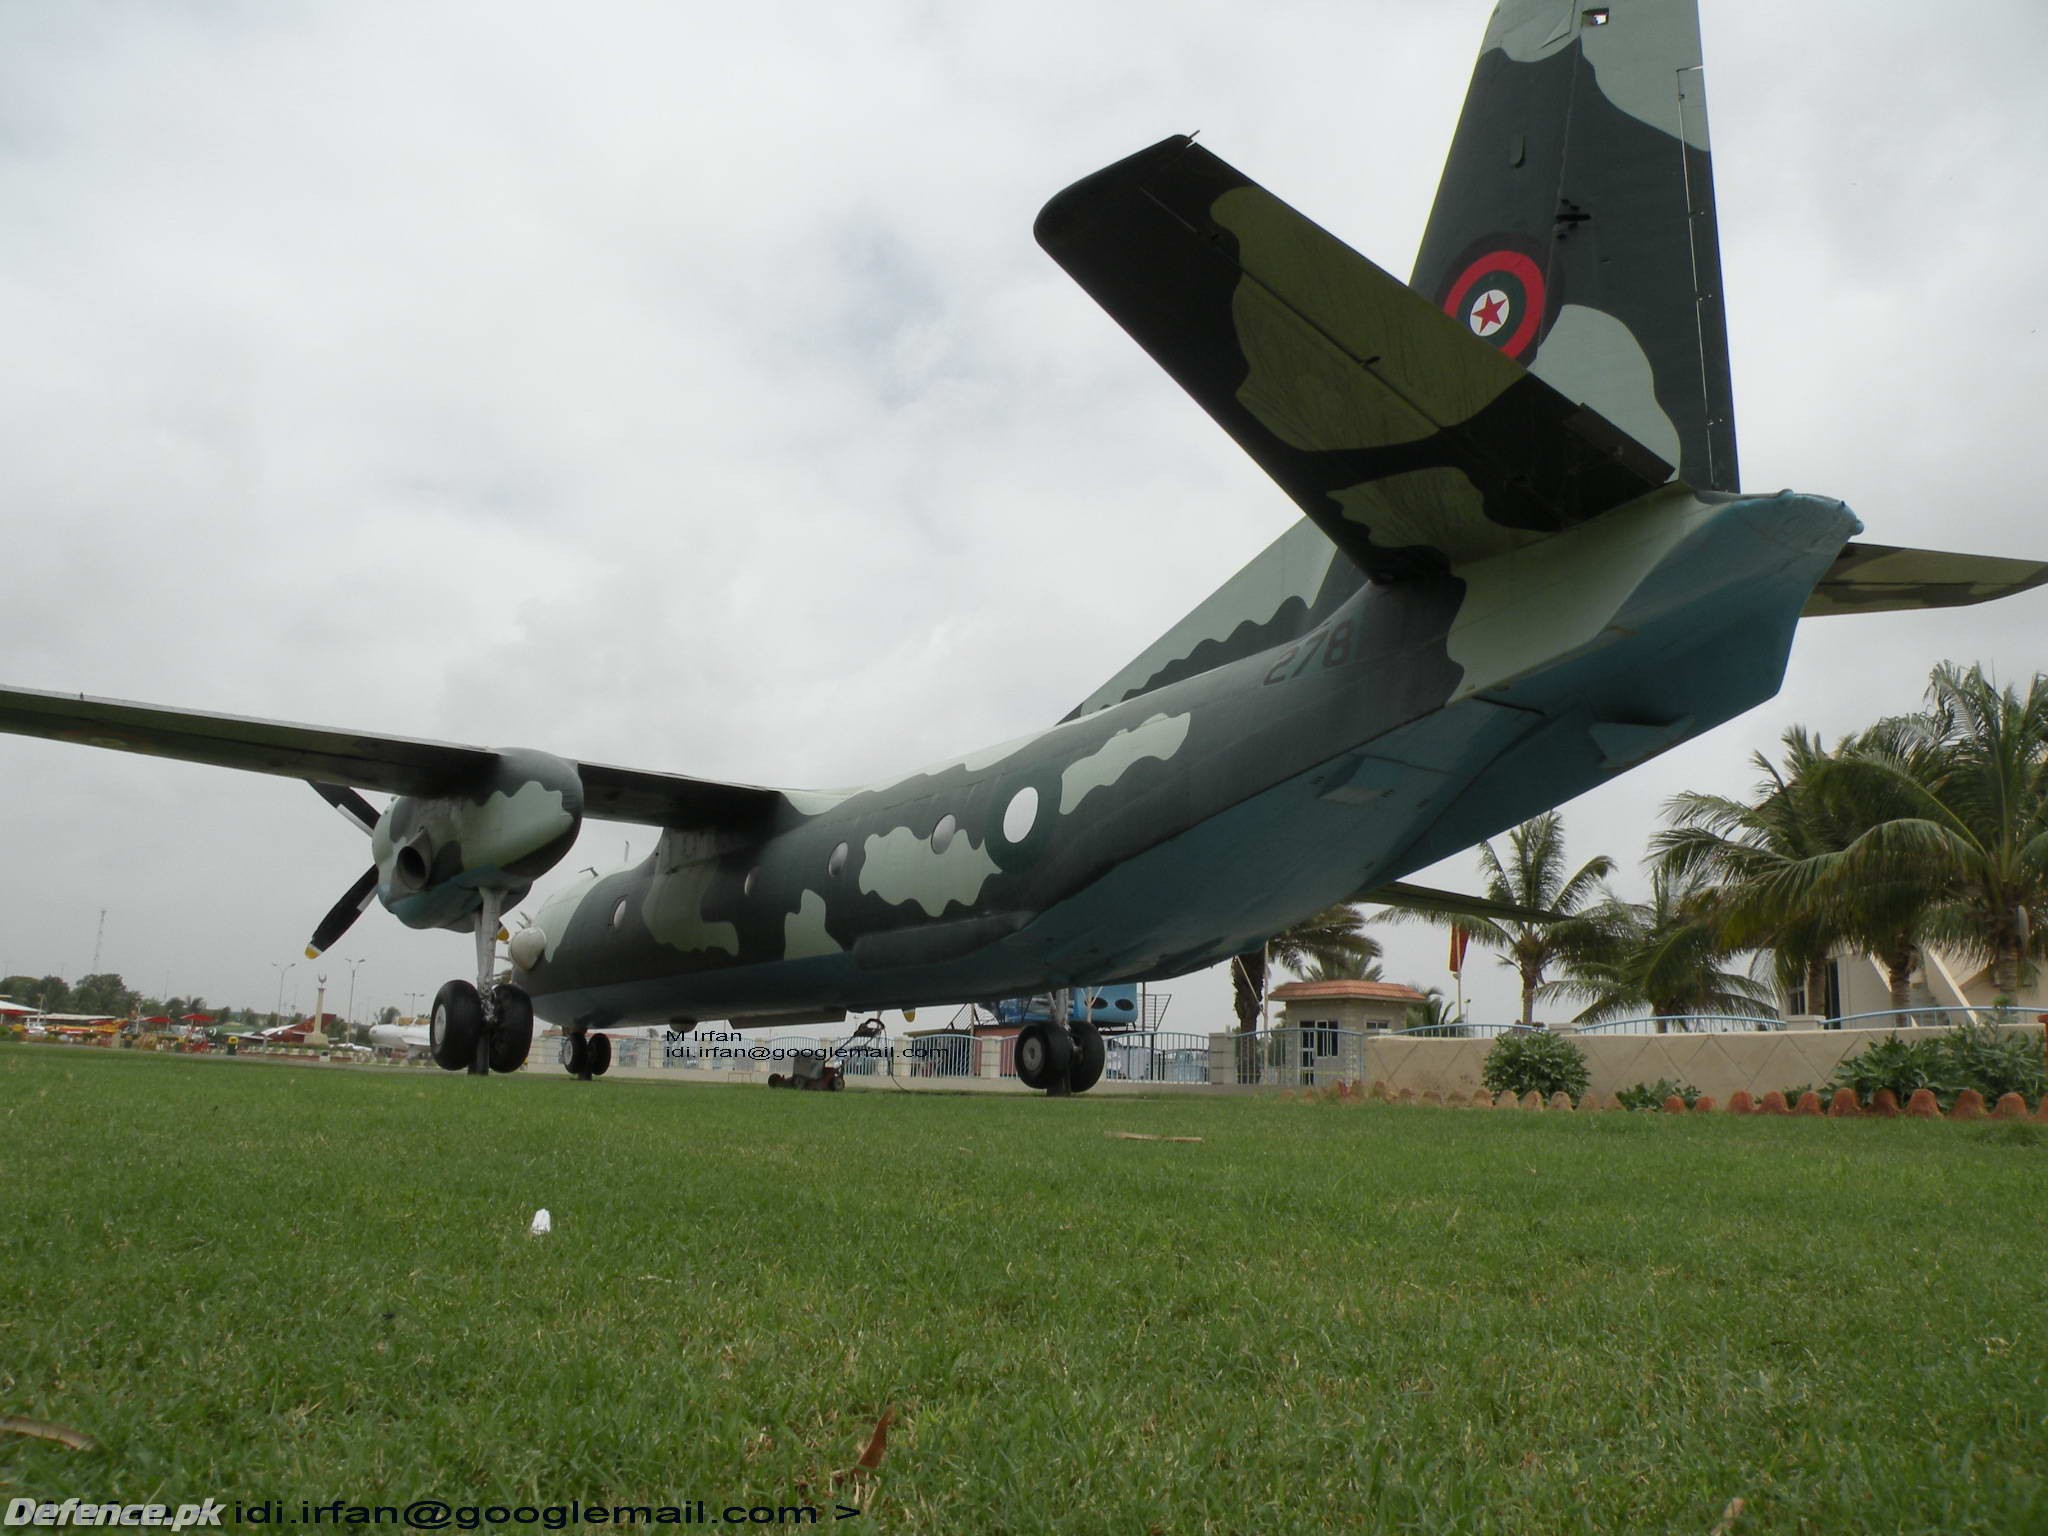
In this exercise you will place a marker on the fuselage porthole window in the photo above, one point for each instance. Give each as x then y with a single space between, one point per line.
1021 815
942 834
836 865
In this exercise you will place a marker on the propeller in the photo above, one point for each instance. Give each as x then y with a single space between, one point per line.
356 900
343 913
352 806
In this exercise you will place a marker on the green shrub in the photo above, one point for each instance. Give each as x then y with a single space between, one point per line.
1996 1061
1653 1095
1904 1066
1536 1060
1981 1056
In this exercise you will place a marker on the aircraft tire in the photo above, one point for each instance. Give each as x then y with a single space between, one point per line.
515 1029
600 1048
1044 1053
456 1027
1090 1055
574 1053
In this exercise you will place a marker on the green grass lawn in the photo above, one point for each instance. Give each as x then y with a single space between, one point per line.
257 1281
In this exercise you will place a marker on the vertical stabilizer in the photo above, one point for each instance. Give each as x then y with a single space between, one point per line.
1574 227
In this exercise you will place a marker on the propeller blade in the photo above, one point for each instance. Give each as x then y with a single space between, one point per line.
344 913
351 805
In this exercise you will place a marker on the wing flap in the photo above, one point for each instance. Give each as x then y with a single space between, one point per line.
1884 578
1411 442
395 765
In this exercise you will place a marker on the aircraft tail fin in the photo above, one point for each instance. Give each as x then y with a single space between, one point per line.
1574 227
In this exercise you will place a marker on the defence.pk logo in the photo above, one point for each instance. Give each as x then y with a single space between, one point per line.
88 1512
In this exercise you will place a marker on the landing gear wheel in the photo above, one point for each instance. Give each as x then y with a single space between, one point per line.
575 1055
1090 1054
456 1026
514 1035
1044 1054
600 1048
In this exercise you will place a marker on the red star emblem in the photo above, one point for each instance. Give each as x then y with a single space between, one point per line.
1490 312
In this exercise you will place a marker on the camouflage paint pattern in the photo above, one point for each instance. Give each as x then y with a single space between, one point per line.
1580 187
1176 827
1568 155
1411 447
433 855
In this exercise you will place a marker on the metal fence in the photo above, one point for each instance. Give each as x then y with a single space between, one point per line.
947 1055
1685 1024
1156 1056
1884 1018
1937 1018
1454 1031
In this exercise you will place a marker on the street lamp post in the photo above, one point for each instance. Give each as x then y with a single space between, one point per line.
351 964
281 967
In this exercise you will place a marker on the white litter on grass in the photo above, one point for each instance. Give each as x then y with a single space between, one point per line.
543 1223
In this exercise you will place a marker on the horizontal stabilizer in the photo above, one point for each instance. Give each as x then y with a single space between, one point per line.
1880 578
1411 442
395 765
1421 898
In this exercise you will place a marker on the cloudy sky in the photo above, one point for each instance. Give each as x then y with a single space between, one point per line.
680 386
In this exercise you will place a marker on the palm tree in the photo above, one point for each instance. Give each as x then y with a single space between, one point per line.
1331 938
1433 1012
1964 791
1749 851
1348 968
1532 876
1763 863
1668 954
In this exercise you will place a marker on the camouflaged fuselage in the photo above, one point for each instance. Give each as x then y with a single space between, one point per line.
1176 828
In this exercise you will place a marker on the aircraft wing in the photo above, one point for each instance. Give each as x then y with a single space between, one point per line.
1882 578
1421 898
396 765
1412 442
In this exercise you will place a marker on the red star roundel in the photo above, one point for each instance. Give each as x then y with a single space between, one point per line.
1499 298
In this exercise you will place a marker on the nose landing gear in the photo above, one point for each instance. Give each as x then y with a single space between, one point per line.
482 1027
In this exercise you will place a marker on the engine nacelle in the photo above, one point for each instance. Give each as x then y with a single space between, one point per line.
435 855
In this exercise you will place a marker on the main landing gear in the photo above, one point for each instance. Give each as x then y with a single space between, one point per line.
1060 1058
484 1026
585 1055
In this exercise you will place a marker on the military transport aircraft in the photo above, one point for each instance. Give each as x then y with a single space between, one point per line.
1525 565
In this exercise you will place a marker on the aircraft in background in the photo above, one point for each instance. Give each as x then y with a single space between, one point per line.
414 1039
1524 566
